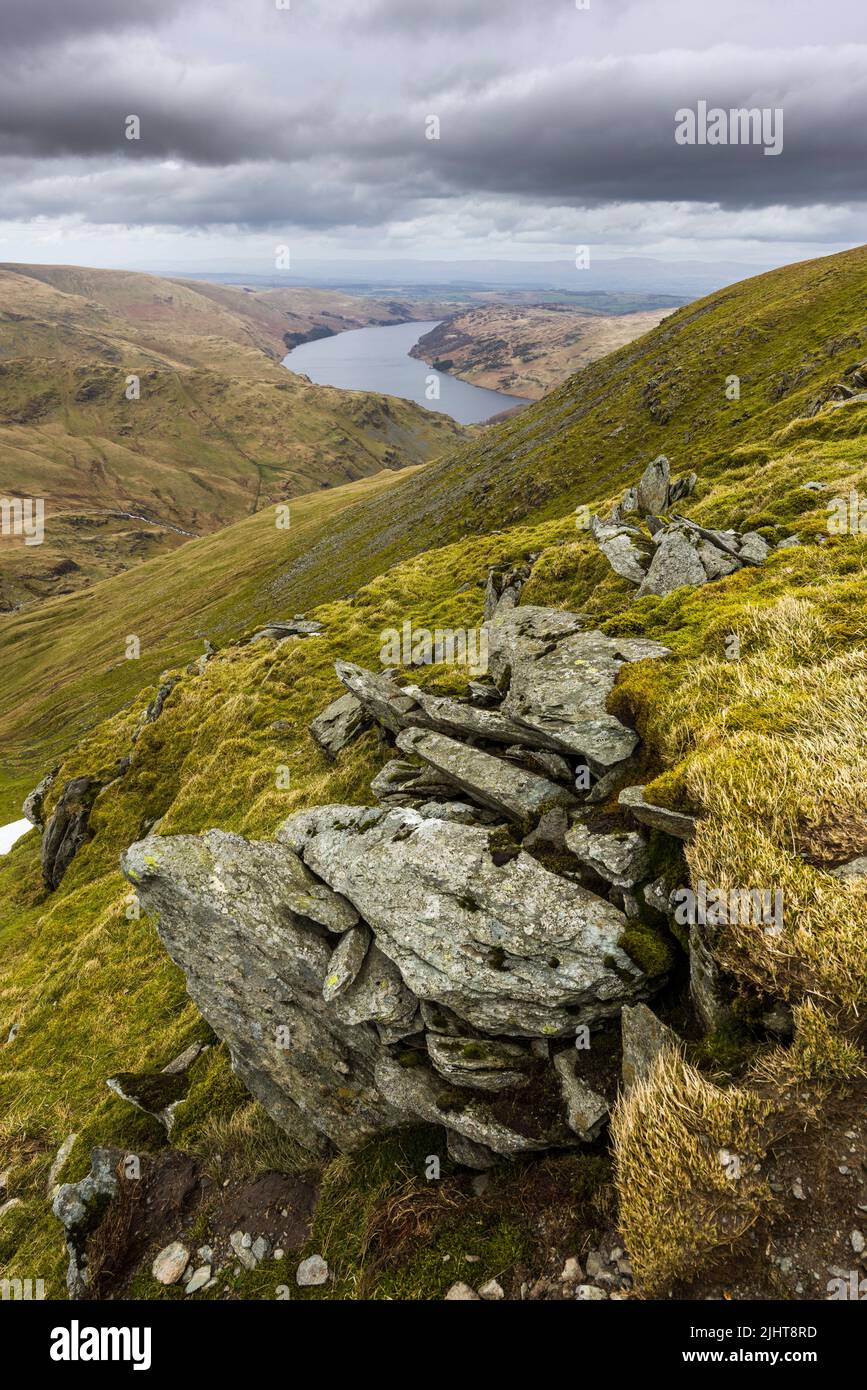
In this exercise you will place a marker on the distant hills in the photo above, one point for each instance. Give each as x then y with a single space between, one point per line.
143 410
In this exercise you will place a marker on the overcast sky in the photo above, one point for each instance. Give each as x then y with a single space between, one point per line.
306 127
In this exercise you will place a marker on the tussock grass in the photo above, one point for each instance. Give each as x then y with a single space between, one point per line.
679 1201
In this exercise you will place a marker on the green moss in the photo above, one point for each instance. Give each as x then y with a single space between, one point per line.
650 947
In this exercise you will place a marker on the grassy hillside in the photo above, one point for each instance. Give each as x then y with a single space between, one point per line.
217 429
769 749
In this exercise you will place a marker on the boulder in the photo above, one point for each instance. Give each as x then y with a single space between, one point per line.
620 857
509 947
559 680
586 1109
676 562
339 724
753 548
281 628
80 1207
521 795
652 492
67 829
643 1038
617 544
32 808
675 823
231 914
346 961
853 872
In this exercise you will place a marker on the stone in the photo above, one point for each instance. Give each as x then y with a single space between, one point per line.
717 563
241 1243
261 1248
67 828
676 562
469 1154
644 1037
312 1272
657 894
710 999
483 1064
620 857
492 1291
856 1240
680 488
509 947
231 914
199 1279
155 1093
571 1271
419 1091
675 823
79 1207
589 1293
281 628
559 679
618 545
853 872
170 1263
788 542
346 961
378 995
401 783
652 491
521 795
33 802
340 724
753 548
462 1293
586 1109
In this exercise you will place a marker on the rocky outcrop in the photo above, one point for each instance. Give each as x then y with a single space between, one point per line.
32 807
671 554
340 724
67 828
377 966
79 1207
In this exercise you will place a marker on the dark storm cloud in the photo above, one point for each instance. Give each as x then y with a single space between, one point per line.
39 23
315 117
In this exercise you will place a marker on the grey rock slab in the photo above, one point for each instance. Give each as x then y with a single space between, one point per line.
485 1064
620 857
676 562
511 948
402 783
675 823
624 557
753 548
340 724
227 912
521 795
644 1037
32 808
652 491
346 961
377 994
558 691
586 1109
717 563
199 1279
420 1091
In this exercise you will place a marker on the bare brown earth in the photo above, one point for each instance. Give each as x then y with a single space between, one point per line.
526 349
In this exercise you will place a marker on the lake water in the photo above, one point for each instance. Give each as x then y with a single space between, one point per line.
377 359
12 832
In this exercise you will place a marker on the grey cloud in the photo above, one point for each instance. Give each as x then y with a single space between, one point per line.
40 23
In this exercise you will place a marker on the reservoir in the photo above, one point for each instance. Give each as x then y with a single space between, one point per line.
377 359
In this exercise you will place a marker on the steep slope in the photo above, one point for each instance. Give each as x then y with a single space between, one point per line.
211 429
762 740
